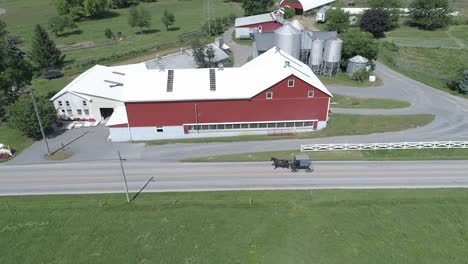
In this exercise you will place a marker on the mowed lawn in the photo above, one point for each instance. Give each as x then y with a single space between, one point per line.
342 101
327 226
413 154
338 125
13 138
23 15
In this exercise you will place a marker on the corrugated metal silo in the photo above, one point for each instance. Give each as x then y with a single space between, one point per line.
288 39
316 54
333 50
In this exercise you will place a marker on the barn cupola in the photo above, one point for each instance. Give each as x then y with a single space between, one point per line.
212 80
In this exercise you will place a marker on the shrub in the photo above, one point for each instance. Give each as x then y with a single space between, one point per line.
360 76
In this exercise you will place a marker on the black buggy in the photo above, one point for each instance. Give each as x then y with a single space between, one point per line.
299 162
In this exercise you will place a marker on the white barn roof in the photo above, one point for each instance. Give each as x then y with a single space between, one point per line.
257 19
311 4
191 84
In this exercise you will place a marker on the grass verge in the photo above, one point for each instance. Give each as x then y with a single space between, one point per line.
14 138
317 226
58 156
342 101
420 154
344 80
338 125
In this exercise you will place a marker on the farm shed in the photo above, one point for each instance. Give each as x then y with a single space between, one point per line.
246 26
302 6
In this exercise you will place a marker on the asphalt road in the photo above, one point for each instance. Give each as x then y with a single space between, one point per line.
106 176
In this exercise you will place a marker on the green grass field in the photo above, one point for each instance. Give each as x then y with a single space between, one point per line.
338 125
316 226
22 15
420 154
343 79
13 138
341 101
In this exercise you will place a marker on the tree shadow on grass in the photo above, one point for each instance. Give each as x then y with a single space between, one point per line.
173 29
148 31
70 33
105 14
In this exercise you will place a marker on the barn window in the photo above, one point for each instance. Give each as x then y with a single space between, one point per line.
84 103
67 103
63 111
236 126
69 112
205 127
79 111
260 29
220 127
299 124
271 125
86 112
262 125
269 95
308 124
60 103
253 125
228 126
290 124
212 127
280 124
159 129
310 94
244 125
290 83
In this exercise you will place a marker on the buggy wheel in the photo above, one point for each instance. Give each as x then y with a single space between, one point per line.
309 170
294 170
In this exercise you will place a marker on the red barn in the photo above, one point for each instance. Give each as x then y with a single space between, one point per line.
246 26
301 6
272 94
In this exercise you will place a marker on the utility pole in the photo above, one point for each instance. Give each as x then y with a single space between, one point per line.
123 173
40 122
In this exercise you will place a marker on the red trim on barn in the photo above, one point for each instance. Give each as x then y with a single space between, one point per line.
266 26
288 103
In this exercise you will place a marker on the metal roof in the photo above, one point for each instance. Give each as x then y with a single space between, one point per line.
264 41
310 4
287 29
359 59
257 19
193 84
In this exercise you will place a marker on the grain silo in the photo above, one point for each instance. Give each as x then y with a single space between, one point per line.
288 39
355 64
316 55
332 56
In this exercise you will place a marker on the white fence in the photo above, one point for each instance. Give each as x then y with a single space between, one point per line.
380 146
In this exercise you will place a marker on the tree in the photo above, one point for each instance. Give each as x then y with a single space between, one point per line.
93 8
15 71
392 7
44 53
21 115
255 7
213 27
122 3
203 54
73 8
139 17
109 34
59 23
358 43
375 21
338 20
463 84
167 19
429 14
288 13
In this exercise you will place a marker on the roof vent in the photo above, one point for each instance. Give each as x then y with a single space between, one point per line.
220 67
170 80
212 80
119 73
113 84
287 64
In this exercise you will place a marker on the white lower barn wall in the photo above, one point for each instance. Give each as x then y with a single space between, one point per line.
177 132
243 33
93 105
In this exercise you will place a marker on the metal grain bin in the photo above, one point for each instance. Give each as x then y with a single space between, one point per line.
288 39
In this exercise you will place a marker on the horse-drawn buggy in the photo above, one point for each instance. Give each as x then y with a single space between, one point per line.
299 162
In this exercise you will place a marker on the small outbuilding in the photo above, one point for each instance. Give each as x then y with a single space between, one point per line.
302 6
356 64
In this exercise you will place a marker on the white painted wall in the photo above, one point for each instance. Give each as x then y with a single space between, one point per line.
173 132
76 102
243 33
